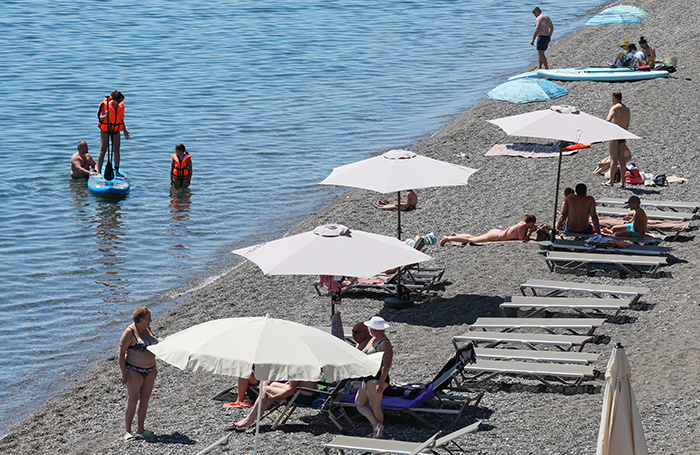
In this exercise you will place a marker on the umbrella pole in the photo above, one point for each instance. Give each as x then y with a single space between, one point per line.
556 197
257 421
398 209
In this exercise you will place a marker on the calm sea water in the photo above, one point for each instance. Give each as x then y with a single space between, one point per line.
268 96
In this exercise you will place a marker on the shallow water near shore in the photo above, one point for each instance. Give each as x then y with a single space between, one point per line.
267 98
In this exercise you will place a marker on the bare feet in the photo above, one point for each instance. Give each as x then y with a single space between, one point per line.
606 184
444 240
378 430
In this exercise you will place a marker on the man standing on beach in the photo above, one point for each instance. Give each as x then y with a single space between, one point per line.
543 33
619 115
578 209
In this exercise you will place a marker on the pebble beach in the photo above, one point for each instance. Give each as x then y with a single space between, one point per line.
519 415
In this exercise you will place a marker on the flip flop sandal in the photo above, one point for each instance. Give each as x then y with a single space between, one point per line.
129 437
146 434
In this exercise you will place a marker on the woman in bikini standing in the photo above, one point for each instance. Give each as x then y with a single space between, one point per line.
138 368
369 398
520 231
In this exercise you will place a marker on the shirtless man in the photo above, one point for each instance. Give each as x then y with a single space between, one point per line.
81 163
577 210
619 115
638 226
543 33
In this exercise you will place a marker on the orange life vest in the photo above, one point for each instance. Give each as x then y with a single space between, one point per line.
180 169
115 120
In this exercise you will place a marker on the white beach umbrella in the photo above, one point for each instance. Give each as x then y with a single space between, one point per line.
565 123
280 350
621 431
398 170
331 250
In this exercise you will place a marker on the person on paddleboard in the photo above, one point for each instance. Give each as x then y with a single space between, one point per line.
180 167
111 121
81 163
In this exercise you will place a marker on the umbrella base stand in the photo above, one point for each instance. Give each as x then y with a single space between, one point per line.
397 302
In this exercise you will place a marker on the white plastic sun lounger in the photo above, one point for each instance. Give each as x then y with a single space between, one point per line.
580 246
556 288
583 358
580 305
563 342
671 205
627 262
651 214
564 373
386 446
573 325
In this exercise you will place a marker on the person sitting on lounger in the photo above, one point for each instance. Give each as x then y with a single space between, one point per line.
638 225
270 392
520 231
409 204
243 384
578 209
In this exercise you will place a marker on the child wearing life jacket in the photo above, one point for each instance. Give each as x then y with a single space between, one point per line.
180 167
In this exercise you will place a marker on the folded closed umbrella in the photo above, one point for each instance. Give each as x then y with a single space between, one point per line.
527 90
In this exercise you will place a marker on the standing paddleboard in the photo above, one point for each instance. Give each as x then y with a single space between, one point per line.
119 186
602 74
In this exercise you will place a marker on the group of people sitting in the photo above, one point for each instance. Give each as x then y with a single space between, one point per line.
370 337
632 57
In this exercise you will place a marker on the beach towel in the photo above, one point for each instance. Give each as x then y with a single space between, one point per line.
527 150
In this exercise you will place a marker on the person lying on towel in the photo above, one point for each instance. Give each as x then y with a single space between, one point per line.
520 231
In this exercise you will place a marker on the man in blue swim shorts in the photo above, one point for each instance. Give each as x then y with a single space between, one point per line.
638 226
578 215
543 33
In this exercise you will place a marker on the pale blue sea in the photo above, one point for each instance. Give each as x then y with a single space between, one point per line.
268 96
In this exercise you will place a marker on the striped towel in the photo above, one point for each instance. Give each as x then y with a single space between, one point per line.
527 150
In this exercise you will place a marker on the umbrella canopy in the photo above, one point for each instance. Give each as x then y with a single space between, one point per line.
621 431
332 250
635 10
613 16
527 90
398 170
564 123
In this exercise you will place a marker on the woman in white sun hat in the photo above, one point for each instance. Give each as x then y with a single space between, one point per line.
369 398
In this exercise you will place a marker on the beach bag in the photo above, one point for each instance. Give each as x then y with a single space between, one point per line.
660 180
543 232
632 176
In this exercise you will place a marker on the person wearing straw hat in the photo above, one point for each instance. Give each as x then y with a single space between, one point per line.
368 399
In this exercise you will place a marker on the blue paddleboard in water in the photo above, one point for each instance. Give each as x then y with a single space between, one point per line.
119 186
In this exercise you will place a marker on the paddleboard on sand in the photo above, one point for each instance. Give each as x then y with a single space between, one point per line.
594 74
118 186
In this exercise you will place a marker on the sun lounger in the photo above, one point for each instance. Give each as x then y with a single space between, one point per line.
573 325
567 374
326 404
531 340
651 214
580 246
669 228
535 356
386 446
580 305
670 205
556 288
628 263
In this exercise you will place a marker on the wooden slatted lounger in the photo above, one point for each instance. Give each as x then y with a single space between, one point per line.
536 356
628 263
573 325
580 305
671 205
567 374
651 214
556 288
562 342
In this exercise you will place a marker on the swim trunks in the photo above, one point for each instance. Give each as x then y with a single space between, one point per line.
588 230
621 141
630 228
543 42
409 207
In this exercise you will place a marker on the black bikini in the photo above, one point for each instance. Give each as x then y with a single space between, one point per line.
140 345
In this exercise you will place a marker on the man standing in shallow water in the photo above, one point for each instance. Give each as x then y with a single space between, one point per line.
619 115
543 33
81 163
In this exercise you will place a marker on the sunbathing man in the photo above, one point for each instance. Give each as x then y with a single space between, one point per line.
520 231
638 226
578 209
271 392
409 204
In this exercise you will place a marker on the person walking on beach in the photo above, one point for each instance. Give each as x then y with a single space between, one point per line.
368 399
543 34
111 121
81 163
619 115
138 369
180 167
575 214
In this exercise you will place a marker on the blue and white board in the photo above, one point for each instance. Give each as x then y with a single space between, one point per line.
119 186
601 74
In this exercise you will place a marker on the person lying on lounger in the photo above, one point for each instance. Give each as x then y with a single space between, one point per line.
409 204
520 231
638 225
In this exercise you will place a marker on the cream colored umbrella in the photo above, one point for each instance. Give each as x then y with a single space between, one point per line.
280 350
621 431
